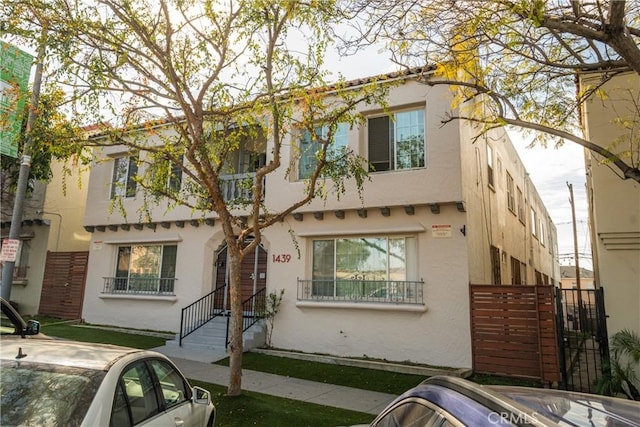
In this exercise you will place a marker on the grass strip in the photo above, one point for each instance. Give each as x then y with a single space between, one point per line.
348 376
257 409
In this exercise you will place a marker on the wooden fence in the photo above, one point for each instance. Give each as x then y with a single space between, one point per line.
63 284
513 331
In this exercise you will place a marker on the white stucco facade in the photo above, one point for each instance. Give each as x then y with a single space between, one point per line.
443 213
614 203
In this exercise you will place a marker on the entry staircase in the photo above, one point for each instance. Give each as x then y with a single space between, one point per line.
205 324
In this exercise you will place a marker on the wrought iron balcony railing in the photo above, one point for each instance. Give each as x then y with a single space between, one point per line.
139 285
353 290
238 186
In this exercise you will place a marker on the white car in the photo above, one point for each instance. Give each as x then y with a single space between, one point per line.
49 382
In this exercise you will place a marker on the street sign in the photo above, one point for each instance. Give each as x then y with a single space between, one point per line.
15 68
9 250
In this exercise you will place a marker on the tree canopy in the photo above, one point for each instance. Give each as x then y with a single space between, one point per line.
186 85
522 57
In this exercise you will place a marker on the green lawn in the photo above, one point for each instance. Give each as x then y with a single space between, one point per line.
256 409
87 334
348 376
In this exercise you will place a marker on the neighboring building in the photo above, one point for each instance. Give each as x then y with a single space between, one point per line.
386 276
611 121
51 225
568 278
28 270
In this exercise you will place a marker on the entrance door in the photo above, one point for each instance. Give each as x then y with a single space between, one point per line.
253 273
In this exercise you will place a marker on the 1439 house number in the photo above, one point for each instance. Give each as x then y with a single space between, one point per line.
281 257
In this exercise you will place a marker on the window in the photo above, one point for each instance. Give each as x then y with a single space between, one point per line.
174 389
495 266
375 267
534 223
511 199
490 166
520 206
175 177
136 384
542 241
148 269
123 183
407 414
310 146
397 143
516 277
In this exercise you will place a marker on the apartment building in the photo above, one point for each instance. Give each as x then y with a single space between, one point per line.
384 274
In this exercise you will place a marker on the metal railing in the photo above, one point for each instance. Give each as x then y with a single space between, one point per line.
20 272
238 186
203 310
355 290
139 285
253 309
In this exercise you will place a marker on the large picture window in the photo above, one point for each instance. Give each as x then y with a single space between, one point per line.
363 267
398 142
123 183
309 147
146 269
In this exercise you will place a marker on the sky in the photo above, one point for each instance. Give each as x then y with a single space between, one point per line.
550 169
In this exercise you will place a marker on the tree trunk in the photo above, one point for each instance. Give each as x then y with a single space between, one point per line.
235 328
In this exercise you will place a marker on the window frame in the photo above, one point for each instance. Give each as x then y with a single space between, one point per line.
163 264
392 142
511 197
534 222
126 185
330 284
308 155
490 168
520 205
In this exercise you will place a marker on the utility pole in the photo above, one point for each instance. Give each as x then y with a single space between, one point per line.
575 250
25 168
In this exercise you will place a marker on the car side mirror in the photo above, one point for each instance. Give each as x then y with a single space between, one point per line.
33 327
201 396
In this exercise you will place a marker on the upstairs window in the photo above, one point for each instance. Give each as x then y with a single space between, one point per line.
542 230
534 223
175 177
310 146
511 198
520 206
490 166
397 143
123 183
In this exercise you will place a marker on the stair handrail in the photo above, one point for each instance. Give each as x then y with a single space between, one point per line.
253 309
196 314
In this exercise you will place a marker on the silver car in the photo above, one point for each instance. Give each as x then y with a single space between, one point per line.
49 382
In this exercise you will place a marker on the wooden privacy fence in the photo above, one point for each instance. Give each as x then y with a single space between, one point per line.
63 285
513 331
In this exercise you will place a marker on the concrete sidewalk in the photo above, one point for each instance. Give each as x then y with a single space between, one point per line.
202 368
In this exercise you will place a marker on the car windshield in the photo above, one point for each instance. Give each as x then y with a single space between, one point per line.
45 395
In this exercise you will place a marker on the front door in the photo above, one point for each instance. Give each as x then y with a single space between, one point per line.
253 273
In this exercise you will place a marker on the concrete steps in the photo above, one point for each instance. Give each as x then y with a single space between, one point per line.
212 337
